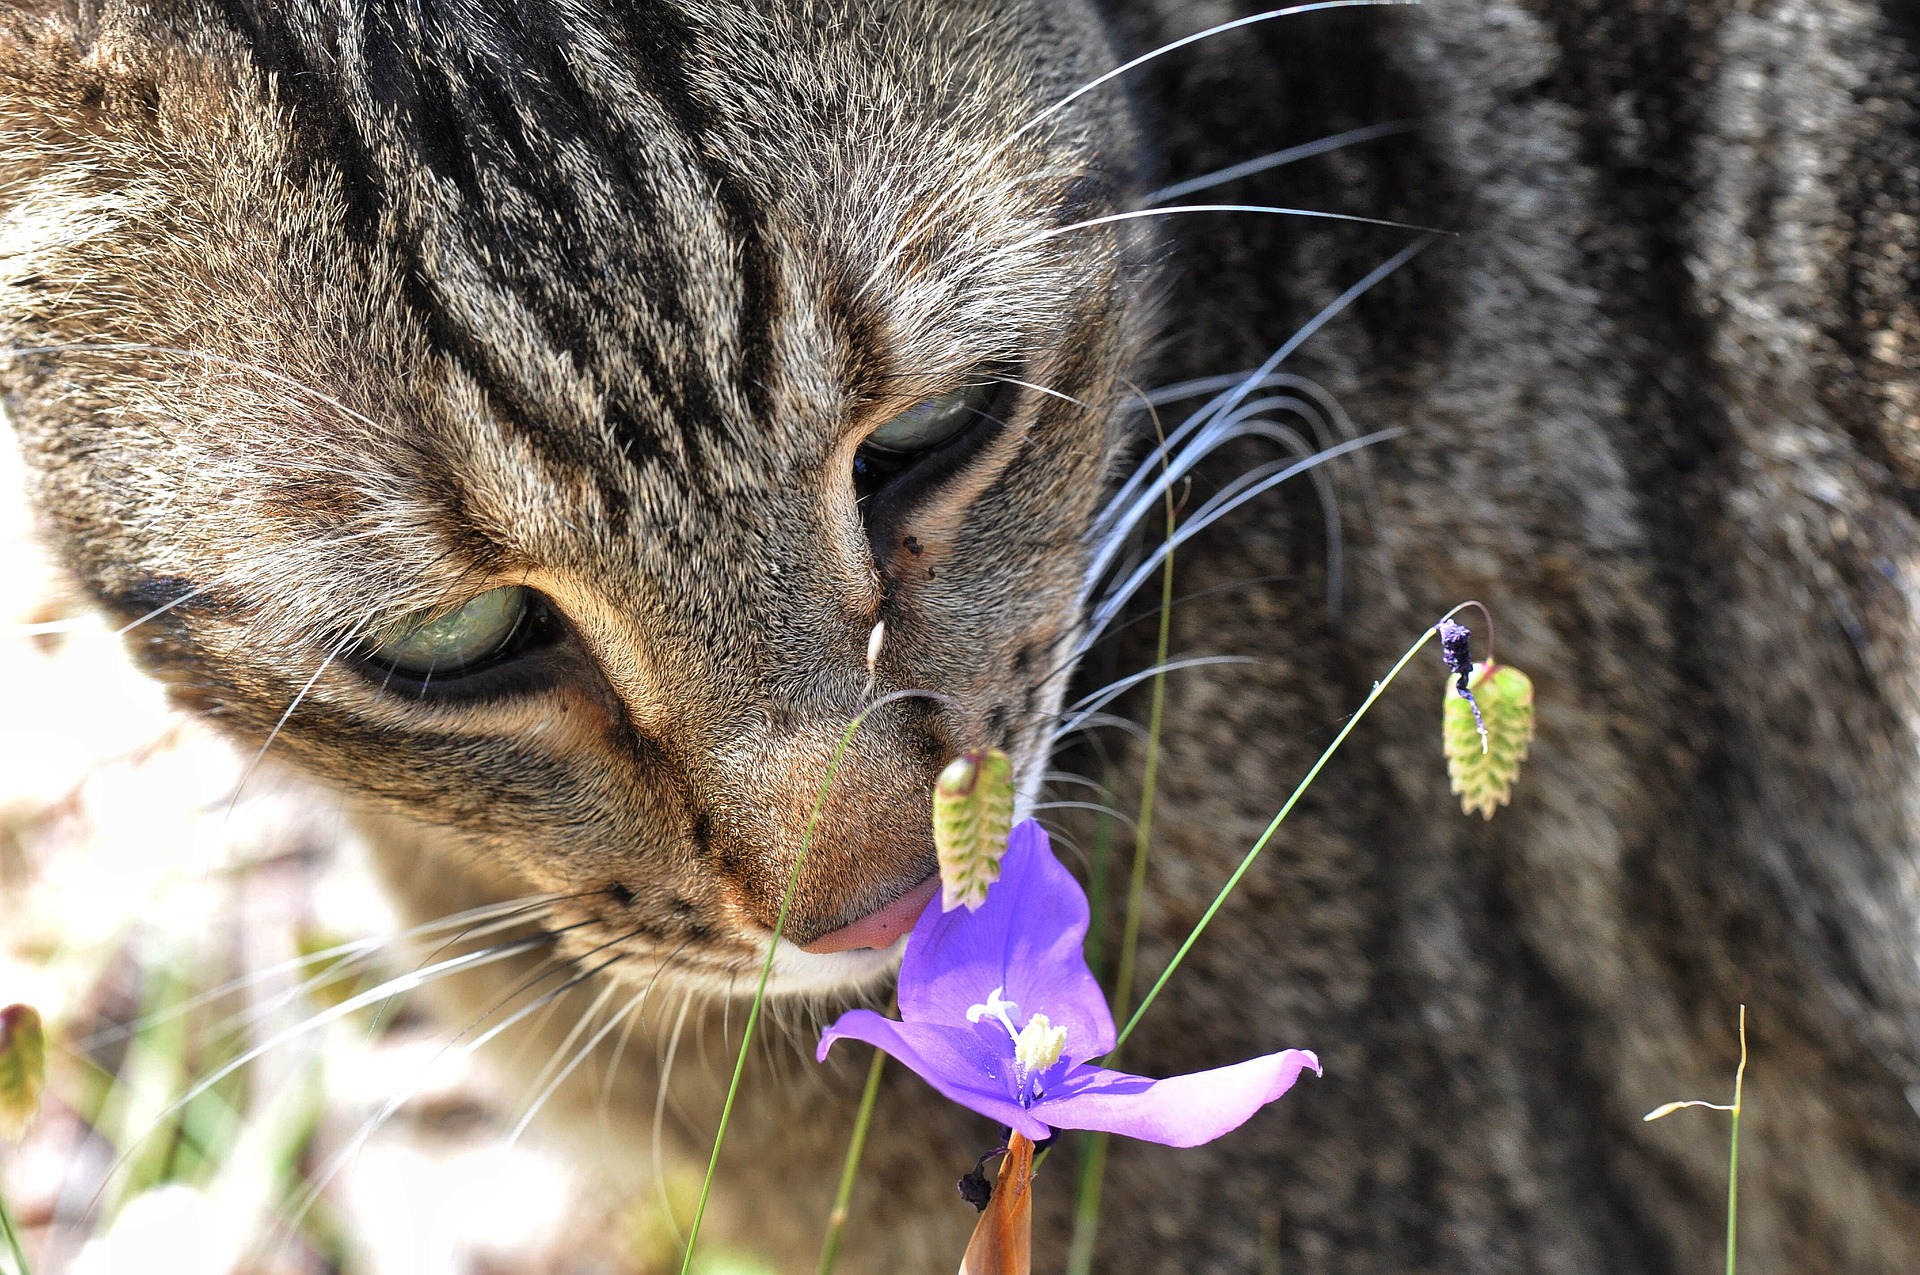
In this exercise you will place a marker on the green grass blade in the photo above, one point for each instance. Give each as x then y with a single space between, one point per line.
1247 862
14 1247
850 1171
1086 1211
1086 1205
1733 1147
1666 1109
766 972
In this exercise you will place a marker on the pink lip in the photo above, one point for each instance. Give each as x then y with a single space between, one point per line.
878 929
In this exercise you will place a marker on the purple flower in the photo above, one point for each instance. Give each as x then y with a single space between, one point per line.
1001 1015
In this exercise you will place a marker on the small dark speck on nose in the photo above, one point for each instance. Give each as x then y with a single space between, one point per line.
621 895
997 725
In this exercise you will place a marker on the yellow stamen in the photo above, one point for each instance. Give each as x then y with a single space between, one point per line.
1038 1045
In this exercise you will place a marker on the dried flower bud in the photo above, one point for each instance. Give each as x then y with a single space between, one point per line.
974 1187
1456 648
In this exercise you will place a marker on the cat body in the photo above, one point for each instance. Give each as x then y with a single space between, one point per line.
326 319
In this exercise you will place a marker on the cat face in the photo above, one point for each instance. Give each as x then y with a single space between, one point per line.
530 422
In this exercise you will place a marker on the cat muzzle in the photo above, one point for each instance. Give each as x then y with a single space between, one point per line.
879 929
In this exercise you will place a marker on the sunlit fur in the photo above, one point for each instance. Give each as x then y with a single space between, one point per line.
316 317
385 368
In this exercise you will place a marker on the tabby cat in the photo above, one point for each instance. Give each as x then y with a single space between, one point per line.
524 417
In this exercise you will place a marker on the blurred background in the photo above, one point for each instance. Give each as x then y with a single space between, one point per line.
171 910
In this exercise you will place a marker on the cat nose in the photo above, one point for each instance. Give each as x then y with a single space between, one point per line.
881 928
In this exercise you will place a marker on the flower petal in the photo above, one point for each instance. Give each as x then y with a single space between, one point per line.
1028 938
1180 1111
957 1061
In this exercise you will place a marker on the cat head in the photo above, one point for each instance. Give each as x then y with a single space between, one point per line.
530 421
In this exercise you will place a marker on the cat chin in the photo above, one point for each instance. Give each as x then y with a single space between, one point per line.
800 973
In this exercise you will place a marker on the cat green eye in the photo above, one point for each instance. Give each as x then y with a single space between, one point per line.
926 425
449 642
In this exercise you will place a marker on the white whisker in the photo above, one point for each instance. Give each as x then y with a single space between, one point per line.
345 956
1097 807
1114 600
333 1013
315 1185
980 165
1183 209
1101 721
620 1046
559 1078
1208 427
274 734
1093 703
1306 150
1036 388
660 1115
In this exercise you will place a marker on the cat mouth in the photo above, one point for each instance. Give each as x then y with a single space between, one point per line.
881 928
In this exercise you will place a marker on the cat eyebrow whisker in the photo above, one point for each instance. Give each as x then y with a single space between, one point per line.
1036 388
979 165
159 611
74 624
1275 159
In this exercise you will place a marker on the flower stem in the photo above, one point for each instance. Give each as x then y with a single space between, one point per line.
1002 1241
1285 810
850 1171
766 966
